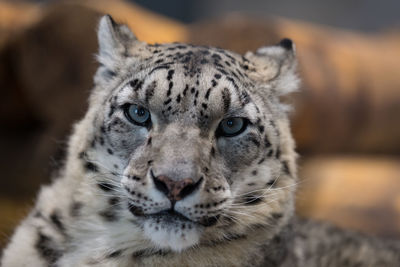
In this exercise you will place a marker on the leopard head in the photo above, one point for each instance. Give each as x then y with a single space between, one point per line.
191 144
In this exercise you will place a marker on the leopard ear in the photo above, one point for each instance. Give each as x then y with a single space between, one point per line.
275 66
115 40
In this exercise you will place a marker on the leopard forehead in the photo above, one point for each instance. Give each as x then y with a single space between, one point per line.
189 82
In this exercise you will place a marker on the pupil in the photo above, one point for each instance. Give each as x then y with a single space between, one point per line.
140 112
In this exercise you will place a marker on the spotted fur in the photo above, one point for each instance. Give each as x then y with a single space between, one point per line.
111 205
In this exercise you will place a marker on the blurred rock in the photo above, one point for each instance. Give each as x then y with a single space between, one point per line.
14 17
46 74
361 193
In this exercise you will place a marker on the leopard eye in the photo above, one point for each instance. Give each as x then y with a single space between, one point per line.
232 126
137 114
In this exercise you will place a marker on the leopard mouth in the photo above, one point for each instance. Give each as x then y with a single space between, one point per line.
168 216
171 216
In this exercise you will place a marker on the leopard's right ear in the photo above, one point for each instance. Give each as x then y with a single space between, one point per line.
275 66
115 41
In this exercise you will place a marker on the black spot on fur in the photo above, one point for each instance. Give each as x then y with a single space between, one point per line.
270 183
277 216
55 218
148 253
252 200
207 95
170 85
222 71
226 98
166 102
165 66
185 90
217 76
149 93
203 61
278 153
216 57
209 221
135 178
75 208
109 151
109 74
89 166
212 152
261 161
108 215
267 143
138 254
285 167
82 155
178 98
244 98
115 254
113 201
254 140
106 187
286 43
47 249
137 211
135 84
111 111
170 74
233 83
38 214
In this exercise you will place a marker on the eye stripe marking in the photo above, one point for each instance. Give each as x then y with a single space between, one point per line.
226 99
149 93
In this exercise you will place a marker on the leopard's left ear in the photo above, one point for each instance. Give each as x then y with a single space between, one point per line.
275 67
115 40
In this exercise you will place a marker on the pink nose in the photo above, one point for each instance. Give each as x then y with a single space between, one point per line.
175 190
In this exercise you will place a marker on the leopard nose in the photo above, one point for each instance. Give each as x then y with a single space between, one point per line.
176 190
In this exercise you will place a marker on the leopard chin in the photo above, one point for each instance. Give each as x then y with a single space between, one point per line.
170 231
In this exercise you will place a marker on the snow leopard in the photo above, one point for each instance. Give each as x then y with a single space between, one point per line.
184 158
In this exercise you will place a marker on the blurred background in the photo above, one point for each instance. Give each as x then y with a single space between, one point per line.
346 120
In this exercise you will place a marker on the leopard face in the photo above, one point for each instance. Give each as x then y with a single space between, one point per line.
190 144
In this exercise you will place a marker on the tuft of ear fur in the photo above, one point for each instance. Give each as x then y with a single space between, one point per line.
115 40
275 66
